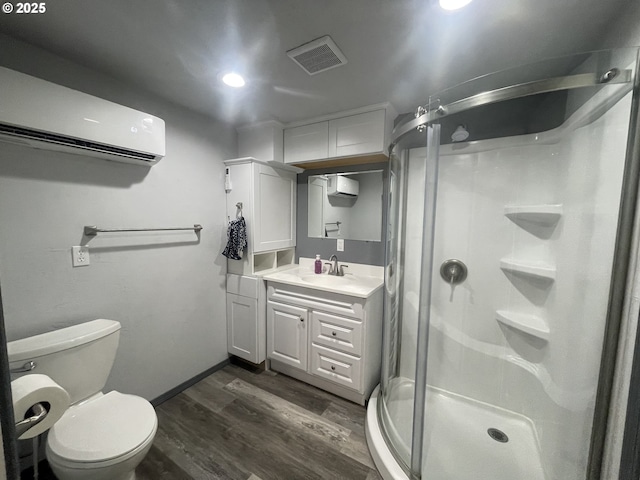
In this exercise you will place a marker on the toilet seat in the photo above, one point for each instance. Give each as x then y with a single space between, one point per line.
102 432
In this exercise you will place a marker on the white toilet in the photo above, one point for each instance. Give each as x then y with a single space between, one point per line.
101 436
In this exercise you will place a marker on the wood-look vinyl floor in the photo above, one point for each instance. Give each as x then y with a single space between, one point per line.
240 425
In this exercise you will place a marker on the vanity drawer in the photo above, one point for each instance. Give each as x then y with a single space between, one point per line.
337 367
338 333
242 285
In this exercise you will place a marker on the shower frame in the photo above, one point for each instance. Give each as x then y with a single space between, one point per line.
428 116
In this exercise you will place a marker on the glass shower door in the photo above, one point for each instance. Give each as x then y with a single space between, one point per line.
412 192
497 376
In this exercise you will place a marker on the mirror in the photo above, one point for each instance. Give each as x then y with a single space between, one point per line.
346 205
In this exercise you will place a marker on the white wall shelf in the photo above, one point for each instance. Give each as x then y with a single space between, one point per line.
529 324
547 215
540 270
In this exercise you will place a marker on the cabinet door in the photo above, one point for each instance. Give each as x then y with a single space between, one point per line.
242 328
308 142
287 334
274 208
357 134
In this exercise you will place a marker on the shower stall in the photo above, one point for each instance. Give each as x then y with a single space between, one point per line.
506 265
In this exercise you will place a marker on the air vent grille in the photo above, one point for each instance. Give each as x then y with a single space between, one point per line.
72 142
318 55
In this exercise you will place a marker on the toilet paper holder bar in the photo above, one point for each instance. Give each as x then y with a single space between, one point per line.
39 414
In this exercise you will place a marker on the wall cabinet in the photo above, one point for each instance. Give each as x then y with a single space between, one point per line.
266 197
262 141
349 134
357 135
329 340
307 142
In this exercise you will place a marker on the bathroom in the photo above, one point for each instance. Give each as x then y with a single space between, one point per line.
168 291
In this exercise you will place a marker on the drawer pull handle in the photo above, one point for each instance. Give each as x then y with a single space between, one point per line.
334 333
333 367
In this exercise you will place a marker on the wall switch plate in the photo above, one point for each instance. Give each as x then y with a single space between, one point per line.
340 245
80 256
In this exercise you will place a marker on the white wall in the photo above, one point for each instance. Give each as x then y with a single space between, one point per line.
366 213
167 290
625 32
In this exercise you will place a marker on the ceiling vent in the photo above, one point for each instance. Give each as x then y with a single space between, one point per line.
318 55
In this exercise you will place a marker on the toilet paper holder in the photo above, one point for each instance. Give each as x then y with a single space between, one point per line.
39 413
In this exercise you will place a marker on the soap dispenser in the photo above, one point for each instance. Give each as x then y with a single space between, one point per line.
318 264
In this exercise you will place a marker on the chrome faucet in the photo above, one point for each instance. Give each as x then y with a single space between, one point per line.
335 268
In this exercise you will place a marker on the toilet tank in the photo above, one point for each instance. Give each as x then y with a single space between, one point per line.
78 358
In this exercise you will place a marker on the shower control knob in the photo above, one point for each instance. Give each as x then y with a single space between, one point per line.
453 271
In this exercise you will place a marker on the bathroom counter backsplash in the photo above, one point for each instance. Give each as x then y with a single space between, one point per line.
359 280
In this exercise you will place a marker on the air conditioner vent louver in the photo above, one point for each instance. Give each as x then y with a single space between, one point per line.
318 55
72 142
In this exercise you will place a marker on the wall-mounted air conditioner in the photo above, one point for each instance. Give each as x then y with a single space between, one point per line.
48 116
341 186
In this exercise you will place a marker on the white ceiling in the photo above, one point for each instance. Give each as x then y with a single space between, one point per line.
397 50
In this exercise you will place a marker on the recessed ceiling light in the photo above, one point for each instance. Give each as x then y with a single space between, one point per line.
233 80
454 4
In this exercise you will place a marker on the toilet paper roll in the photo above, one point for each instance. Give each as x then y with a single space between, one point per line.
35 388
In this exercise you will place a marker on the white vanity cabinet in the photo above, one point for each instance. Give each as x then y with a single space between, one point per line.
330 340
356 133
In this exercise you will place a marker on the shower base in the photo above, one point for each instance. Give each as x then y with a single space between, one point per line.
457 444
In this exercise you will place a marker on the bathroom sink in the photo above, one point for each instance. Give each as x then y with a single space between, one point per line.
359 284
327 280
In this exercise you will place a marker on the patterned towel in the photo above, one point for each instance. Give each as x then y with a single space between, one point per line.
236 239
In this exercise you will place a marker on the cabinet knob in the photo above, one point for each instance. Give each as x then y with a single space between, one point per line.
333 367
302 319
334 333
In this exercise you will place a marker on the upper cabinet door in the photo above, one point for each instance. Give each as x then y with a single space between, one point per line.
308 142
357 134
274 208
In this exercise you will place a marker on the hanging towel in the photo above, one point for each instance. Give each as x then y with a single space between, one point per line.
236 239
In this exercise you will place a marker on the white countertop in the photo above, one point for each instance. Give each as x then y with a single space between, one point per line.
361 280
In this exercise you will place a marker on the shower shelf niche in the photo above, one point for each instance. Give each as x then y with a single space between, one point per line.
546 215
536 271
529 324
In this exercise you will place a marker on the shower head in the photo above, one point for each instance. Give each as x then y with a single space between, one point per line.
460 134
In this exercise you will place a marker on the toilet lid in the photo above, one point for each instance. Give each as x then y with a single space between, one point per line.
108 427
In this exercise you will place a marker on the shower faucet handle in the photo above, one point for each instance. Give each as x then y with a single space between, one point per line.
453 271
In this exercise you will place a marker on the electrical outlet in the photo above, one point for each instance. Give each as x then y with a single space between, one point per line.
80 256
340 245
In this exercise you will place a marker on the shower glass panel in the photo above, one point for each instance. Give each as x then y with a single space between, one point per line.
529 204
